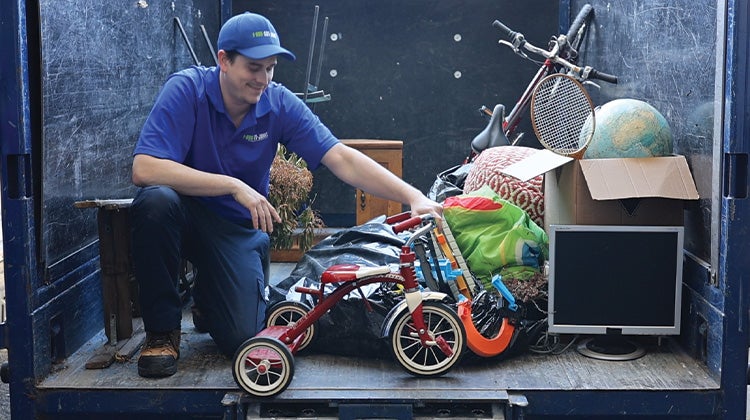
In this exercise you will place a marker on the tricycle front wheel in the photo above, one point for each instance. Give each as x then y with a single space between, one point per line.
263 366
441 322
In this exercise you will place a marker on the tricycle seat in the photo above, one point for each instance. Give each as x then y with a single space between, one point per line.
350 272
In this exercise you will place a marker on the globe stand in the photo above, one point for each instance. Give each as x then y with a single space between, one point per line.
612 348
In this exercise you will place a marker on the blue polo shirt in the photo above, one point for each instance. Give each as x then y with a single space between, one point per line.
189 124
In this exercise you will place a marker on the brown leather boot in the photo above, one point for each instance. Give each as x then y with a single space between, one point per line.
159 354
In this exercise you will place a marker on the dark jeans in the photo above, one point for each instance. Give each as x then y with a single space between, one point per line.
230 259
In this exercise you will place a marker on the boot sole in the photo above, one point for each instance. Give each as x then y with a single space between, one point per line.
157 369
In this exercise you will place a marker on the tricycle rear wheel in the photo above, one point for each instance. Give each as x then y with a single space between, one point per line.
289 312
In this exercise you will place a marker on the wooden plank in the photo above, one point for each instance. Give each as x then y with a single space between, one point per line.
108 203
129 347
114 259
374 144
102 358
121 352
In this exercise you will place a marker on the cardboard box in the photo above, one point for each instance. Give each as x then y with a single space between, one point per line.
634 191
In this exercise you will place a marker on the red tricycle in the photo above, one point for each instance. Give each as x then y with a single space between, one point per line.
426 335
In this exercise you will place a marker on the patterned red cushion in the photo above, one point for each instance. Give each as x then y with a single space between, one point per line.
527 195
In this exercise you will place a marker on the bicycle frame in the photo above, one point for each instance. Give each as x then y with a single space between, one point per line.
559 57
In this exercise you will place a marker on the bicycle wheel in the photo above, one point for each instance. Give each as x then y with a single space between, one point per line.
288 312
578 30
263 366
441 321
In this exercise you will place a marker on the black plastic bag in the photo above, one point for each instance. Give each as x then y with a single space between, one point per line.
352 327
449 182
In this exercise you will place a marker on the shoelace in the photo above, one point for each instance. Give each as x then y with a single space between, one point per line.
159 341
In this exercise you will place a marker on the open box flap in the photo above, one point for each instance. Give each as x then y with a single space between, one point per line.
666 177
609 179
535 164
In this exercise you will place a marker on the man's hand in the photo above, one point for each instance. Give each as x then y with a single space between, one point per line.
423 205
262 212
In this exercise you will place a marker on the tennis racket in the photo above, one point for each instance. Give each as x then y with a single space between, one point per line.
562 115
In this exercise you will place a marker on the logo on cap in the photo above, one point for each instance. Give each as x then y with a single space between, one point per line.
262 34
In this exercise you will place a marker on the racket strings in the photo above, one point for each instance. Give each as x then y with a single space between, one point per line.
561 114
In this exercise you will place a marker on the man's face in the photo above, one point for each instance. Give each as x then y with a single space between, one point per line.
247 78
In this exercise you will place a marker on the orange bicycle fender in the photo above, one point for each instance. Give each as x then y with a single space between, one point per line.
479 344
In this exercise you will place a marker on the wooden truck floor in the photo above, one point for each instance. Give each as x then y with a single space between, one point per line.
322 377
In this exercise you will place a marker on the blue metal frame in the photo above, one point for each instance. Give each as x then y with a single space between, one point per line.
19 200
734 265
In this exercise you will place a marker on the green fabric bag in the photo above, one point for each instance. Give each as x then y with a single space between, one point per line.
495 236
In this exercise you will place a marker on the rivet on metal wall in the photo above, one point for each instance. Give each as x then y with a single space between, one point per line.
457 37
142 4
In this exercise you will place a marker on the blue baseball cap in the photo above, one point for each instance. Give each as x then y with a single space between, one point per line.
253 36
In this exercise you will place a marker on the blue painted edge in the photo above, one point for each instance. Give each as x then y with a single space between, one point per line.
734 265
19 227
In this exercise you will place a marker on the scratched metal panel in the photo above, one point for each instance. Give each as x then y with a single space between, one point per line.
102 65
664 53
415 71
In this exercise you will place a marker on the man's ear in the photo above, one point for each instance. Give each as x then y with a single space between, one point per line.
223 59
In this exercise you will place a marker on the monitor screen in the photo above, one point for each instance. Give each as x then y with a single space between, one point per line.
615 279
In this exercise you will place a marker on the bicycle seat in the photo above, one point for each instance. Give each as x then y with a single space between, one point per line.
492 135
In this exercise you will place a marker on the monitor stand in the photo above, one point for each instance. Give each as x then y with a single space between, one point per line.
608 347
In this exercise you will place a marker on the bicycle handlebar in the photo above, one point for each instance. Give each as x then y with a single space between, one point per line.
511 34
519 41
578 21
411 222
400 217
596 74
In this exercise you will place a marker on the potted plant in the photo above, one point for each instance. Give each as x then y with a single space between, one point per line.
289 192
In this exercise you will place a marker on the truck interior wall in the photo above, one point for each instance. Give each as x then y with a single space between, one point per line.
415 71
97 67
101 67
655 47
95 103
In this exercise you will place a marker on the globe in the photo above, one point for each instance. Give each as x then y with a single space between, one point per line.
629 128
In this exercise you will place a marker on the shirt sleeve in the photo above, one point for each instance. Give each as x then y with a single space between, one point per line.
168 130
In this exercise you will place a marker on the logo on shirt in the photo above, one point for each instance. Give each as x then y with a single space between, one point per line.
252 138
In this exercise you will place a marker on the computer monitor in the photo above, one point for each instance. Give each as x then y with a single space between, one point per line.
615 281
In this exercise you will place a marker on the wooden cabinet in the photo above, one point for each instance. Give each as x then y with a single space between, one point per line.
388 153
